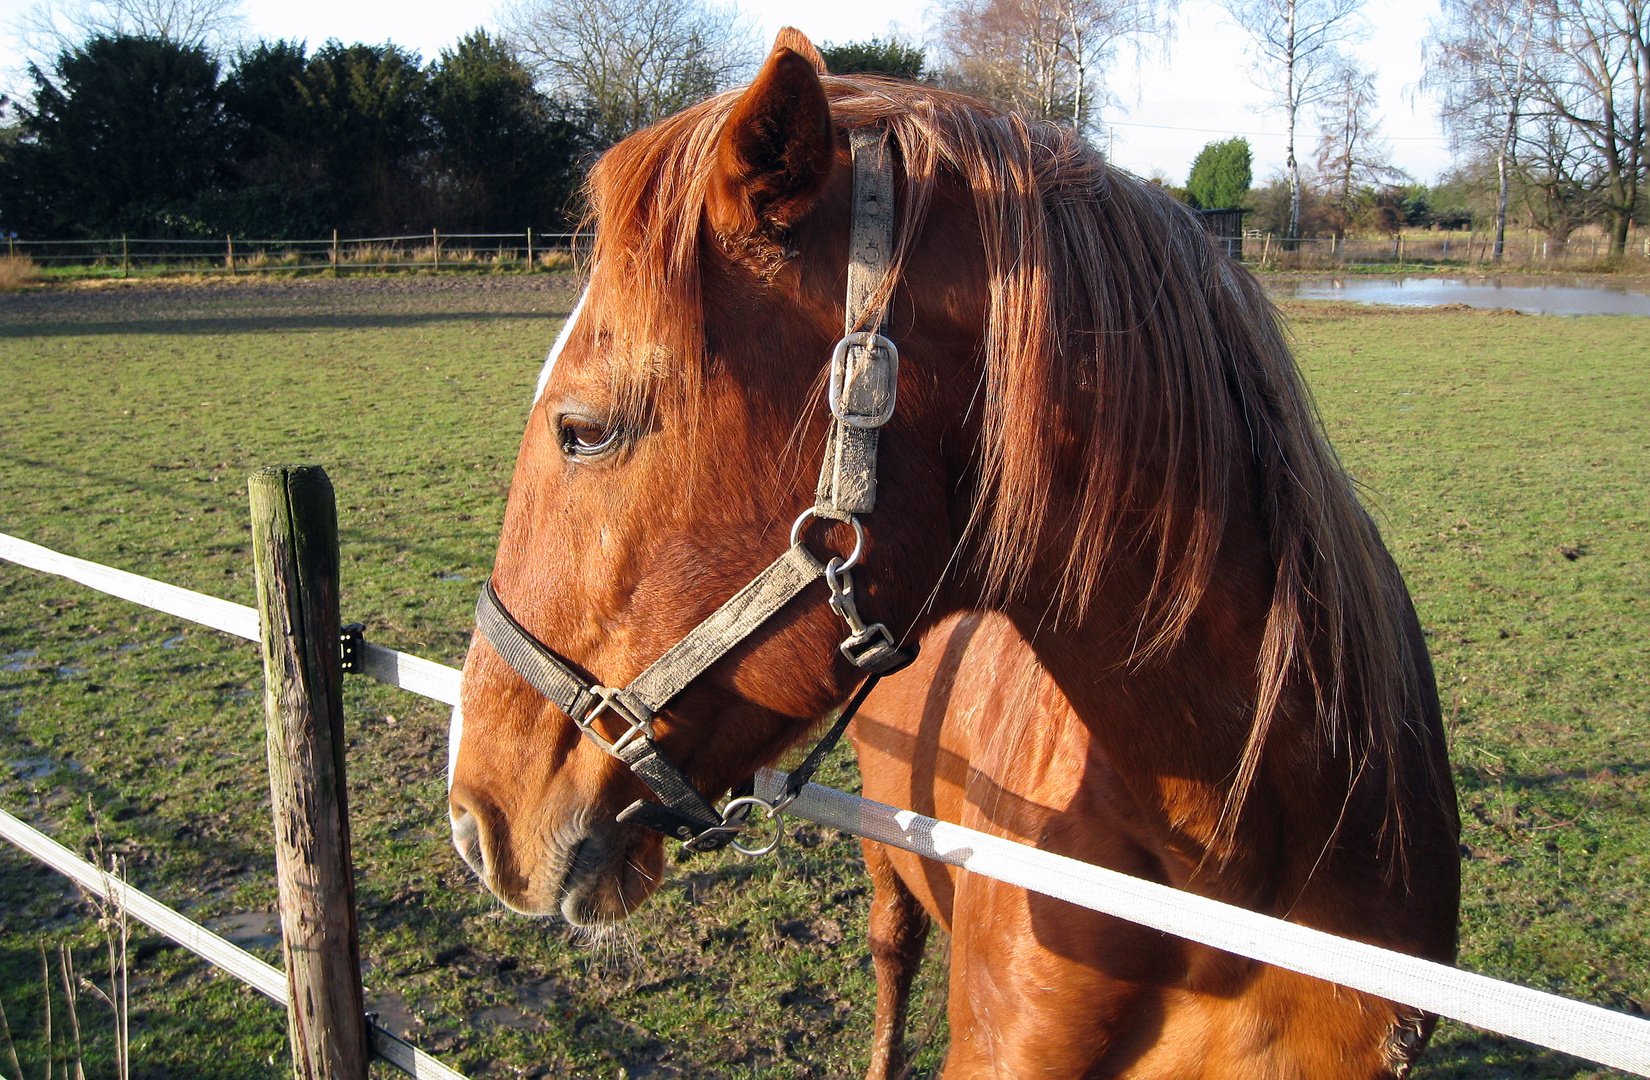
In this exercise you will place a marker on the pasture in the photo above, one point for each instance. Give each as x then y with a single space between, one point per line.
1506 457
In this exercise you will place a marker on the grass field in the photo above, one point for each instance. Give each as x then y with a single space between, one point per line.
1506 456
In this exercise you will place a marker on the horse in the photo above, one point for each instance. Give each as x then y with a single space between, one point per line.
1159 632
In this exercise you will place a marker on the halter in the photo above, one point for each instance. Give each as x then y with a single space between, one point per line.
861 391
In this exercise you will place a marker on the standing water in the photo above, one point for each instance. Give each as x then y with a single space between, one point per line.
1536 296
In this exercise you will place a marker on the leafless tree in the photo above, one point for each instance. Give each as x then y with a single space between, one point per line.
630 62
1297 43
1482 62
1598 82
1044 58
1351 153
52 26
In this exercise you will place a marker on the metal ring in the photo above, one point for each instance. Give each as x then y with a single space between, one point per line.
770 811
859 536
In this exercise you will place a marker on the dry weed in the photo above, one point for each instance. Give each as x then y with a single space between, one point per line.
17 272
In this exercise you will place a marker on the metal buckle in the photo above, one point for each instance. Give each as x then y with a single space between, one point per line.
840 386
607 699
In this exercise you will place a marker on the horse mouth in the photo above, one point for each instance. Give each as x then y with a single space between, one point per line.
606 877
591 873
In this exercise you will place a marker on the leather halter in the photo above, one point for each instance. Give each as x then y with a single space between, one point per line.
862 390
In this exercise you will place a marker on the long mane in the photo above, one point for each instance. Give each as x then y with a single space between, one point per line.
1132 373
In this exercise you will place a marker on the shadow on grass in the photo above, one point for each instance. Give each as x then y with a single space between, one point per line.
213 323
1460 1053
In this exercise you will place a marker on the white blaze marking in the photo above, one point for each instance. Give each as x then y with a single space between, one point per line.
555 350
455 728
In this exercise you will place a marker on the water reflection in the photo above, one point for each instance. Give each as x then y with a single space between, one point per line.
1537 296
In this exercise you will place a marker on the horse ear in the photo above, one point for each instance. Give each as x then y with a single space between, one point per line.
778 146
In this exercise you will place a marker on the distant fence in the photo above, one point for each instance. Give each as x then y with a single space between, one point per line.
1468 249
435 250
1572 1027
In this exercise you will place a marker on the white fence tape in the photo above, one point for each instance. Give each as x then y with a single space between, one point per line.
401 669
264 978
237 619
1574 1027
1558 1023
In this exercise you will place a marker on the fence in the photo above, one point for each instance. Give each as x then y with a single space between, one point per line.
1584 1030
1469 249
434 250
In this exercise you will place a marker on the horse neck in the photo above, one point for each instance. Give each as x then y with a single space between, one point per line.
1171 728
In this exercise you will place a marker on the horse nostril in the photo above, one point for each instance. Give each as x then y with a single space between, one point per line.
467 839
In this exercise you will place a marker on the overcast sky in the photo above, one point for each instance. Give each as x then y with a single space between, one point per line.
1169 107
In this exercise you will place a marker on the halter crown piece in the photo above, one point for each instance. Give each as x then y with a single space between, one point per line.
863 384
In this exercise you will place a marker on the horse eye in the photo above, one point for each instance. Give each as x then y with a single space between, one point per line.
585 437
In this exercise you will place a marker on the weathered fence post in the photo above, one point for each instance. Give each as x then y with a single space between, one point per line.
124 265
435 246
295 552
529 249
229 257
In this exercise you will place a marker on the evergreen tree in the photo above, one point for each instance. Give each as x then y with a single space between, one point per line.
123 136
1221 175
367 108
874 57
507 157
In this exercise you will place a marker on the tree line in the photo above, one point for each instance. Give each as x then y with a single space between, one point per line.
146 122
144 135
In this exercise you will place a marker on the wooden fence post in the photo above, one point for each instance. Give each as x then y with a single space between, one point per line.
124 265
335 253
229 258
529 249
435 245
295 552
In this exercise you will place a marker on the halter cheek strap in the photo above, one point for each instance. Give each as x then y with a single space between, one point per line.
863 383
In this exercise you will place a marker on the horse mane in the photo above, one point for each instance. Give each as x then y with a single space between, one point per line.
1131 373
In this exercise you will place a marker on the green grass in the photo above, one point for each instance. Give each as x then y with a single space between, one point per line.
1489 444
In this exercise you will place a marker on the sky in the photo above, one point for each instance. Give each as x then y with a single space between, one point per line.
1168 106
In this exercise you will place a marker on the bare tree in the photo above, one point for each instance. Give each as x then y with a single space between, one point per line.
1481 61
1298 42
52 26
630 62
1044 58
1351 153
1598 82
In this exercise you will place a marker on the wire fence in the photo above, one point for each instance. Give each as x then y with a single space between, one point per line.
1585 1030
435 250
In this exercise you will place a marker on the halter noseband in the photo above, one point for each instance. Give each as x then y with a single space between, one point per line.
862 389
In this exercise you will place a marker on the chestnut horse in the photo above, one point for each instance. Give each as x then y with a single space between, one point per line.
1160 634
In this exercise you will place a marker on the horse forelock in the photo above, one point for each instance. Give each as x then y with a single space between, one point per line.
1131 374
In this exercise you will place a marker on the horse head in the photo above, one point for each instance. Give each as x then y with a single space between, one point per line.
673 446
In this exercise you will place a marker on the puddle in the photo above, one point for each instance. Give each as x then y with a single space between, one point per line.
249 930
448 576
38 768
503 1016
393 1013
130 645
18 661
174 642
1535 296
69 671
